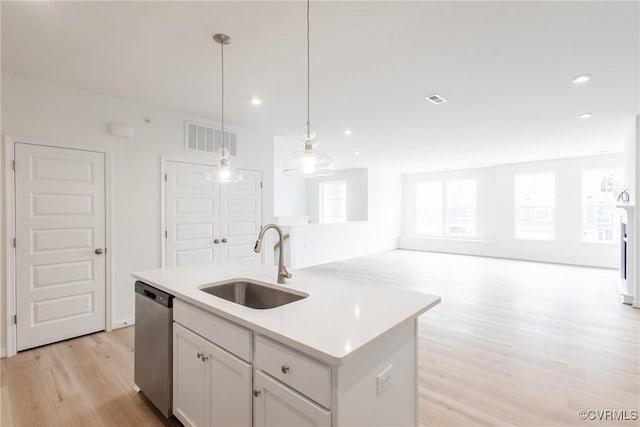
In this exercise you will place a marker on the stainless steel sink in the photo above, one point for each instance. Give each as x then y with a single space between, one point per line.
253 295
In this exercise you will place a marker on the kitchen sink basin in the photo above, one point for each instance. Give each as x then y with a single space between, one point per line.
253 295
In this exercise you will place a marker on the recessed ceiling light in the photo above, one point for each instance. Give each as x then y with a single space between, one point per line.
585 115
256 101
435 99
356 153
582 78
348 131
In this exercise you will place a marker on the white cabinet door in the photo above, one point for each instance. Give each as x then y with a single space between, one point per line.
190 375
192 214
241 216
60 222
229 389
279 406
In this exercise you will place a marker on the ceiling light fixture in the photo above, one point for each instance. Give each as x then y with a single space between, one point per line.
309 162
225 173
256 101
581 79
356 153
585 115
348 131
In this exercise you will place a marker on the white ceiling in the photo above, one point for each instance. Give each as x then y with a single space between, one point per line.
505 67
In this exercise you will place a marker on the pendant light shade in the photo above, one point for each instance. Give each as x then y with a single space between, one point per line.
309 162
225 172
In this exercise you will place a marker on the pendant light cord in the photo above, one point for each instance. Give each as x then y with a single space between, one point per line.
222 146
308 75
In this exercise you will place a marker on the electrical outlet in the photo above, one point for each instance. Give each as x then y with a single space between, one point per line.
384 379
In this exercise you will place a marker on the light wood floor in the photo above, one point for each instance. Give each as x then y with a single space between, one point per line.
512 343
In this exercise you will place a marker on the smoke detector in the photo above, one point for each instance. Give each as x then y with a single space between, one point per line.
435 99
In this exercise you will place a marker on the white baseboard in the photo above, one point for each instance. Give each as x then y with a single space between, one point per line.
626 299
123 323
3 353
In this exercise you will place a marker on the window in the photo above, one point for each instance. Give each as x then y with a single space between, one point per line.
461 207
535 206
460 214
600 218
429 207
333 202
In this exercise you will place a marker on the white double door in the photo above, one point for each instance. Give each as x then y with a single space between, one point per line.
208 222
60 243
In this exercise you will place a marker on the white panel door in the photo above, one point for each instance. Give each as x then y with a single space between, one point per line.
60 222
241 216
192 214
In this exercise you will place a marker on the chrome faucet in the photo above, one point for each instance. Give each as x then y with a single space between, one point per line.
282 270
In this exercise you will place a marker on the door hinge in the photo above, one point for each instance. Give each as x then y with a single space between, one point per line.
260 184
14 242
165 177
13 165
166 234
15 319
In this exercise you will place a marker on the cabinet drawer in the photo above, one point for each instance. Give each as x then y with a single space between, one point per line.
233 338
302 373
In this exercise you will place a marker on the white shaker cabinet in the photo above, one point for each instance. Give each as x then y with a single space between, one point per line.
189 373
276 405
212 387
226 374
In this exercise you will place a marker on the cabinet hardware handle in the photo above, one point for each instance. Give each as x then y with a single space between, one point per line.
256 393
224 240
198 355
204 358
98 251
216 241
284 369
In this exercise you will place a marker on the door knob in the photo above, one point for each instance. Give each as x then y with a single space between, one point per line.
224 240
216 241
257 393
98 251
284 369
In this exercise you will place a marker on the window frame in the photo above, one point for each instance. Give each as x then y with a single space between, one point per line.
321 202
532 209
584 208
441 206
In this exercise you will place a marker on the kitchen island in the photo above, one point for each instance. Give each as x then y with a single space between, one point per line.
345 354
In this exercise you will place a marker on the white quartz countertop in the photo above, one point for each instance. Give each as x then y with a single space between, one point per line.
338 318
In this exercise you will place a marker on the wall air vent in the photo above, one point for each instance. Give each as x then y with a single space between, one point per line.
206 139
435 99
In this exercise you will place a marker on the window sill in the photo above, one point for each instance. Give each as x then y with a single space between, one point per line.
446 238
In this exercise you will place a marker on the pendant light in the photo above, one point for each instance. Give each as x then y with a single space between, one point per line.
225 173
309 162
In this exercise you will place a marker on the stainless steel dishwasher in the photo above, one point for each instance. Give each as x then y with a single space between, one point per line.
153 369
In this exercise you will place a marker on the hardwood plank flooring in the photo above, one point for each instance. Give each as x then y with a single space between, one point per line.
513 343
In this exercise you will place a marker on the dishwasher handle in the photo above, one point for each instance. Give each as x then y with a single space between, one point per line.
153 294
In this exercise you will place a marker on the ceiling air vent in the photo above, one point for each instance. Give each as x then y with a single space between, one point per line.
435 99
206 139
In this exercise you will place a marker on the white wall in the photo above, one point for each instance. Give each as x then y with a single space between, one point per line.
290 195
36 109
495 204
315 244
630 152
636 193
357 194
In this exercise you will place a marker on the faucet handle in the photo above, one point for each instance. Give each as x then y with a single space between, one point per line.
284 272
